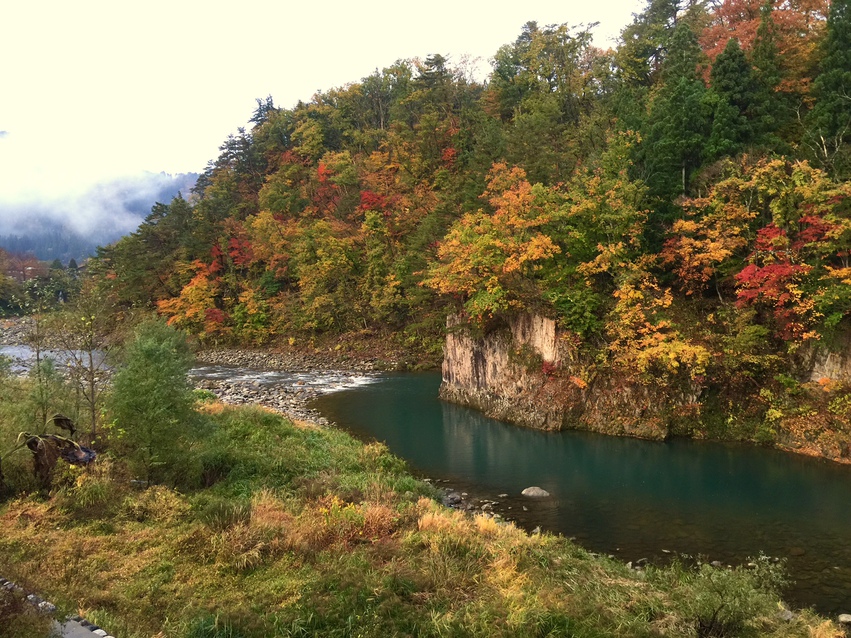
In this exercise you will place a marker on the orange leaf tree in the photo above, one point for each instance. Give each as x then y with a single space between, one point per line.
490 260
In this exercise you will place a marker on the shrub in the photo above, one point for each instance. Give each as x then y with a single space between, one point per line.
152 403
91 495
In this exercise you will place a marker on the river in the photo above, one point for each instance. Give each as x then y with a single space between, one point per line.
626 497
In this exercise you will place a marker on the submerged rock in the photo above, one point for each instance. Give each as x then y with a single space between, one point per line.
535 492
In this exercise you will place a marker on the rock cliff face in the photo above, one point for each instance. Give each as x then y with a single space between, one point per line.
823 363
531 374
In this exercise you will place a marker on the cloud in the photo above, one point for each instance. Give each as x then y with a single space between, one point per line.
102 211
55 187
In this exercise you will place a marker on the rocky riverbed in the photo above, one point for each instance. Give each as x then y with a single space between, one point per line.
286 388
284 382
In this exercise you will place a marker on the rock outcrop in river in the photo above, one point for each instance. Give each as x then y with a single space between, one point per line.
530 373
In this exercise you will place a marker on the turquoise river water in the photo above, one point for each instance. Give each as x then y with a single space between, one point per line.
629 498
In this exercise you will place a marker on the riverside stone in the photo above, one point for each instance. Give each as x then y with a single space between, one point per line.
535 492
786 615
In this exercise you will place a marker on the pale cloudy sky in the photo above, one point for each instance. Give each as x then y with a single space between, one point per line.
92 89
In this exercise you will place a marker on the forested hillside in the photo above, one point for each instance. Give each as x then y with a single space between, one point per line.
680 204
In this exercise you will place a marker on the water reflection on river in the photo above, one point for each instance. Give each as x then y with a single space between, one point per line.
622 496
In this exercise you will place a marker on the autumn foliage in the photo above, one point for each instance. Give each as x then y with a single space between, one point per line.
679 205
489 259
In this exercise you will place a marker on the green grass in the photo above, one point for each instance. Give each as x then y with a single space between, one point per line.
282 530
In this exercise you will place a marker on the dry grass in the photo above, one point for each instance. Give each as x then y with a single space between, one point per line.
826 629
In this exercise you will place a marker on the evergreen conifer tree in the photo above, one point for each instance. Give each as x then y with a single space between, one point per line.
733 96
678 121
771 111
830 119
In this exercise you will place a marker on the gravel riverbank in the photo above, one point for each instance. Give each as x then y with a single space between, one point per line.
284 382
275 382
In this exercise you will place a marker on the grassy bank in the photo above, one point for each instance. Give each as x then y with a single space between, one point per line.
287 530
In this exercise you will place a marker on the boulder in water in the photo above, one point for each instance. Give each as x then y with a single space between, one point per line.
535 492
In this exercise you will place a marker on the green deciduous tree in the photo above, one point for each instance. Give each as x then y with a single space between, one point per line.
542 87
645 42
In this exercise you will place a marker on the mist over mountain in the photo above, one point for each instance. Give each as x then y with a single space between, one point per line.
73 226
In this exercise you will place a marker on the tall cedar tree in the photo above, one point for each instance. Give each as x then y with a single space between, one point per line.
679 122
772 111
831 115
733 97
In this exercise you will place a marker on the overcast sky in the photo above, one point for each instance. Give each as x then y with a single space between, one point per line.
92 89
